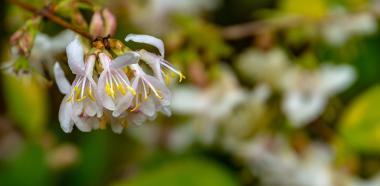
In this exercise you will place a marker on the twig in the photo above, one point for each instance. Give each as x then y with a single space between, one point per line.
47 14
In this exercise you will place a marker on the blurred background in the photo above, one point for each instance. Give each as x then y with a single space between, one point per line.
277 93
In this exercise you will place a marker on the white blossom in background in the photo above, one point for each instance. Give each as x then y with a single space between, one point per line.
263 66
342 26
306 92
211 105
273 156
239 126
161 10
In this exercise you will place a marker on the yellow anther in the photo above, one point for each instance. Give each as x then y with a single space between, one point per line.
181 77
81 99
135 108
110 92
89 94
167 79
121 88
131 90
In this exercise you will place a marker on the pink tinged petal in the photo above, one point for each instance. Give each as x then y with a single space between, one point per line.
75 55
148 108
124 60
65 115
105 60
90 62
97 25
83 124
154 62
150 40
136 118
62 83
163 91
109 22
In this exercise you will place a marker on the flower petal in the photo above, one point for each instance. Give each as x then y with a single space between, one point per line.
90 62
83 124
124 60
65 115
116 126
148 108
123 104
150 40
302 109
75 55
62 83
105 100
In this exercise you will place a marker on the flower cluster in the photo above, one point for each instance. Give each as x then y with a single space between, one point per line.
124 92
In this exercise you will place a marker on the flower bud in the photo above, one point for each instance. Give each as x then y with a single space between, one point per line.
97 25
109 22
23 39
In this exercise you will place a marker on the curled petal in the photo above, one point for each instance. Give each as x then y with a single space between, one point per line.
83 124
150 40
75 54
62 83
116 126
124 60
148 108
64 116
90 62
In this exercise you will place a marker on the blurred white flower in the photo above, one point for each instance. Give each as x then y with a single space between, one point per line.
79 106
343 26
263 66
46 48
211 105
307 92
160 10
274 161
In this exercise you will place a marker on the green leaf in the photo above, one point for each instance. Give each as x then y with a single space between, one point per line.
185 172
27 167
360 123
26 102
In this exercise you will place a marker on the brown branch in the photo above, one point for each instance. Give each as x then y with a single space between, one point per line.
47 14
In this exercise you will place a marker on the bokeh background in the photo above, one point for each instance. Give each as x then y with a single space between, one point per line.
278 93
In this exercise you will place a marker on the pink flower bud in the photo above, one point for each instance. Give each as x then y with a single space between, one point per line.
97 25
109 22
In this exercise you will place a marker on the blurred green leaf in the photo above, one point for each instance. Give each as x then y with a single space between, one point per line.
185 172
27 167
360 123
26 102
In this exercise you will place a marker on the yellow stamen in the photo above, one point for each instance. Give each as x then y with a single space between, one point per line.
135 108
181 77
81 99
121 88
110 92
89 94
131 90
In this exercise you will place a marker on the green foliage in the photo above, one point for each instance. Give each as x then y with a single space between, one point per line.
27 167
26 101
360 123
185 172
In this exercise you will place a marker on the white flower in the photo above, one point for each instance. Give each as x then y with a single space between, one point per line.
151 94
307 92
113 84
79 106
159 65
